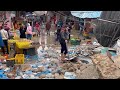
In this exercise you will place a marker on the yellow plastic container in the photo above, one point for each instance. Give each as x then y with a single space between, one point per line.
24 44
12 41
11 59
16 37
19 59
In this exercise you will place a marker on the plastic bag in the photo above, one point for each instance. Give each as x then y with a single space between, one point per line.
70 75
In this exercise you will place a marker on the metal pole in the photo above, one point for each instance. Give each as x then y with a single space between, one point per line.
108 21
100 32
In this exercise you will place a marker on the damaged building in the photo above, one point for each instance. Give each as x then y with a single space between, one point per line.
108 29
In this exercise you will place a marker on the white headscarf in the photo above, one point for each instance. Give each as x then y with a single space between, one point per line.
28 24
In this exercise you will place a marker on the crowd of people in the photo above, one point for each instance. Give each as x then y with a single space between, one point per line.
62 34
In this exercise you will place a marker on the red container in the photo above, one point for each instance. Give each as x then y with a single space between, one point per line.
6 56
89 42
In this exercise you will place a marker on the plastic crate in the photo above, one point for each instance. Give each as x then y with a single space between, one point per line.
10 63
19 59
78 43
75 42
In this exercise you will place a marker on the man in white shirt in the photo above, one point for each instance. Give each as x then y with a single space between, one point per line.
4 35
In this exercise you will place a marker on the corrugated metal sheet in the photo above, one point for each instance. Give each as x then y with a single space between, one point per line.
86 14
108 28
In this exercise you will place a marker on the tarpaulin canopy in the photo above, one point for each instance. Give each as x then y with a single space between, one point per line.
86 14
29 14
39 13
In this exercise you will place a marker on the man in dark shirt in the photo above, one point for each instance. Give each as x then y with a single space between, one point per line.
22 32
58 32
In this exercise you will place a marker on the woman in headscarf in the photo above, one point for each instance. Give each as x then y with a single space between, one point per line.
29 32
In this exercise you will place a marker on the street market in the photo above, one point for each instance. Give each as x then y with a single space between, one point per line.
56 45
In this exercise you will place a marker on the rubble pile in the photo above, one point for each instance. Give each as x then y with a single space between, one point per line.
107 68
83 62
47 68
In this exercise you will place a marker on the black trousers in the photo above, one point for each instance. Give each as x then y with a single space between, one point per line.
64 47
6 45
69 33
48 31
58 36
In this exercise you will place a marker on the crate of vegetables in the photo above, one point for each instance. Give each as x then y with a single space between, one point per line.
74 41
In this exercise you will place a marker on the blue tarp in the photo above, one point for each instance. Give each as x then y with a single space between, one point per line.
86 14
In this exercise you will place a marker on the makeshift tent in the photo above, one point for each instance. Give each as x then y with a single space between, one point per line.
86 16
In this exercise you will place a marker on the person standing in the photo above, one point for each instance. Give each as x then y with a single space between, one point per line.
5 37
29 32
48 26
57 34
68 28
43 28
60 23
55 21
64 36
7 28
1 43
22 31
37 27
42 38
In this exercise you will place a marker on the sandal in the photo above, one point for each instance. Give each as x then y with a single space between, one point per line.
64 61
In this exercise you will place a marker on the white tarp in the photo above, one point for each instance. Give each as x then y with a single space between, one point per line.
117 47
12 15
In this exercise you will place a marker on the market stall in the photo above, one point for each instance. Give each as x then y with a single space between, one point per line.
20 44
88 58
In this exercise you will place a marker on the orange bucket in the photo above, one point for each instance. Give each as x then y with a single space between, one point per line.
6 56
